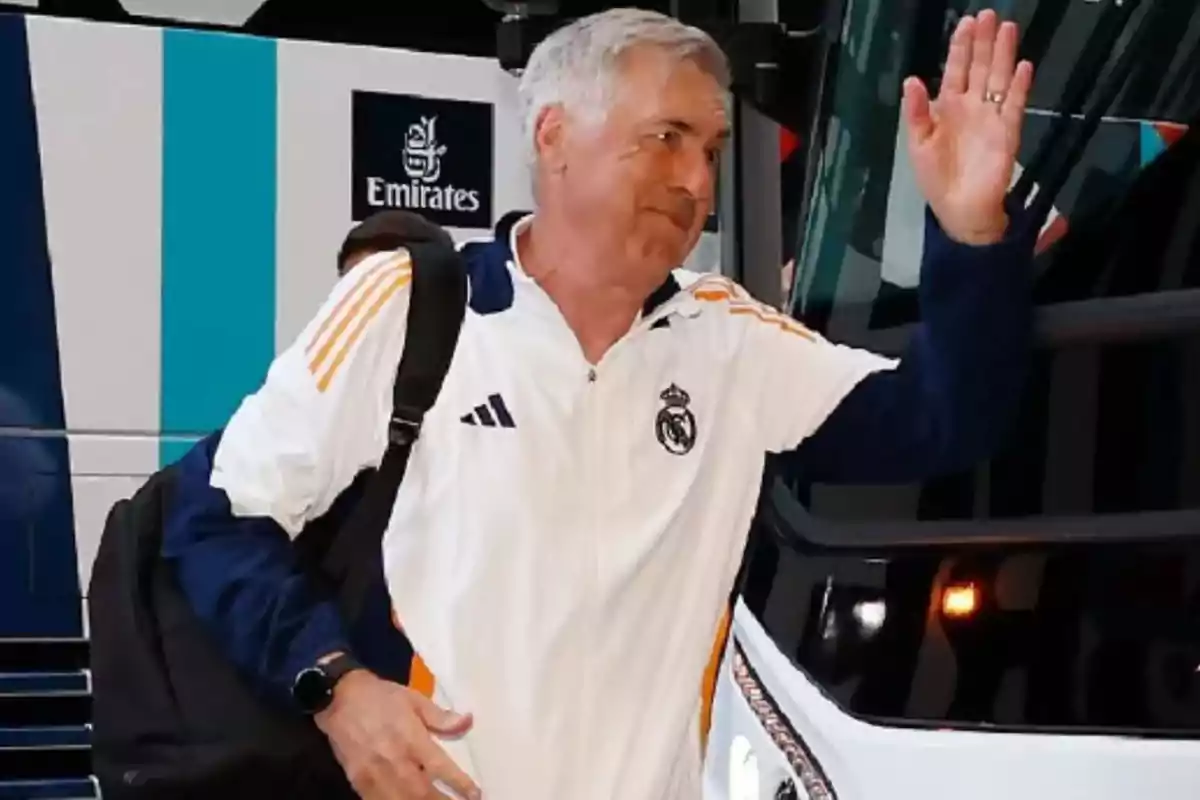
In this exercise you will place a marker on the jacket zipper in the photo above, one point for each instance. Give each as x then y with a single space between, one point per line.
592 477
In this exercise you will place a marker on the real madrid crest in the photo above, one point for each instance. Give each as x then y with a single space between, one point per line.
675 425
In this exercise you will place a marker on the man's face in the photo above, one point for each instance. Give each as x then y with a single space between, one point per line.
645 175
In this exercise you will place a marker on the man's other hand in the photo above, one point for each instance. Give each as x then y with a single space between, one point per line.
382 735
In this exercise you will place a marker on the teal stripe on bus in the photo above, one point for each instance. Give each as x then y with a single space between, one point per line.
218 229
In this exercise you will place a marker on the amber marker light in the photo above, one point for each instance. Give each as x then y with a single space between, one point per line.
960 600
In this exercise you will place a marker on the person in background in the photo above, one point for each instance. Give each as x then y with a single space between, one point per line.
384 231
381 232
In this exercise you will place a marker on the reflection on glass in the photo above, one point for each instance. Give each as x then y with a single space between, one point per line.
1081 637
1105 426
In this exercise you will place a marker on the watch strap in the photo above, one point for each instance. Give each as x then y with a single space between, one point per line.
337 667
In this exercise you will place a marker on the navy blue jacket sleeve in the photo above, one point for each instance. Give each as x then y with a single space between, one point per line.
241 578
950 399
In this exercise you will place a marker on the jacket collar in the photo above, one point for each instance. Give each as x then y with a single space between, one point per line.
512 223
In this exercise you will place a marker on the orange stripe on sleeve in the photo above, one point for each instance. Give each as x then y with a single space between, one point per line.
708 686
786 324
710 284
747 307
354 292
353 311
398 280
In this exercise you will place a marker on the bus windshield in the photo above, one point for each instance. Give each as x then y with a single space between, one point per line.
1107 425
1076 635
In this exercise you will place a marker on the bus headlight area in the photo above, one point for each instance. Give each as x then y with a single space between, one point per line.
807 780
743 770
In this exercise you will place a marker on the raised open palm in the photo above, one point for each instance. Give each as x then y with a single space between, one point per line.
963 145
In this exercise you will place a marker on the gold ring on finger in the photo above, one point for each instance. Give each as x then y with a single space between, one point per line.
994 97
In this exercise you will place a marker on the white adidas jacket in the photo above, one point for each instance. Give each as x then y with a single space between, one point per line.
564 544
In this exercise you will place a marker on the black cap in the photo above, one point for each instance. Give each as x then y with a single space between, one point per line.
389 230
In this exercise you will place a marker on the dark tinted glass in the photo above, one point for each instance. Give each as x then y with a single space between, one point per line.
1074 639
863 243
1109 423
1071 637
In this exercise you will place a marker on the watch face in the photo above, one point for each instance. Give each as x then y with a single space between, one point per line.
312 690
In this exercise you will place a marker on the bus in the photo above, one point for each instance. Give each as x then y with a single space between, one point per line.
1029 627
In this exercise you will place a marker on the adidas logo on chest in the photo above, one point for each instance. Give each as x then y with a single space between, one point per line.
493 413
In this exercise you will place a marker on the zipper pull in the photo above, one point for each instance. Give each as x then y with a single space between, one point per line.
591 376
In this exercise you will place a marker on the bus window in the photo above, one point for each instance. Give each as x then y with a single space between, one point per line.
1106 426
1074 636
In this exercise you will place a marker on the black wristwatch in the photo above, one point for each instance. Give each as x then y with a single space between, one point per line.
313 687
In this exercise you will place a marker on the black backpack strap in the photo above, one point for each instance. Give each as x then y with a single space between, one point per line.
435 314
437 305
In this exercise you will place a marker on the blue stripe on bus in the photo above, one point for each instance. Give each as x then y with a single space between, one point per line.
39 583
